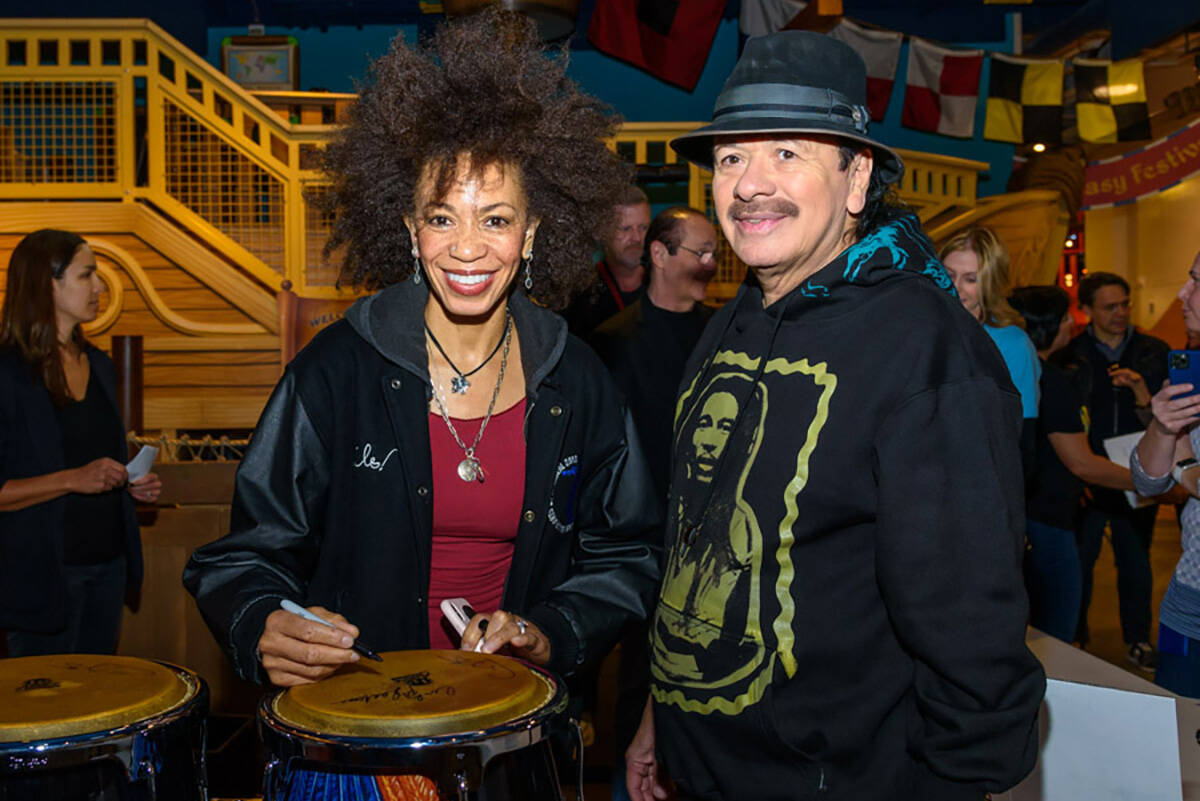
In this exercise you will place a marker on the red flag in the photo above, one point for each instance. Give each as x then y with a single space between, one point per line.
669 39
942 90
880 51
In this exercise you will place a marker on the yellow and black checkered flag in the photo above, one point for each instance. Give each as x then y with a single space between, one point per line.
1025 100
1110 101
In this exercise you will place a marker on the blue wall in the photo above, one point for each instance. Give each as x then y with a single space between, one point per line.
336 58
641 97
331 60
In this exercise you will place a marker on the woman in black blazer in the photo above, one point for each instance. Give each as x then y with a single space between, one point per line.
69 545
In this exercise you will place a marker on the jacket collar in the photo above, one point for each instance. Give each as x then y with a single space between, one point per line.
392 321
895 247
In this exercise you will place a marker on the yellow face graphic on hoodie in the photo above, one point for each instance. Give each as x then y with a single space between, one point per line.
709 652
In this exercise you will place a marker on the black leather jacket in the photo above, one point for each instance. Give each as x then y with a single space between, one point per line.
320 521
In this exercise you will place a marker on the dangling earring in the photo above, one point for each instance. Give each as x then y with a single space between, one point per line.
416 270
529 271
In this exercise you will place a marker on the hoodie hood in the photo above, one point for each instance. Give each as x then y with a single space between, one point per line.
393 322
894 250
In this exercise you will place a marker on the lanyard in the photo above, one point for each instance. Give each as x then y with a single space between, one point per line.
602 268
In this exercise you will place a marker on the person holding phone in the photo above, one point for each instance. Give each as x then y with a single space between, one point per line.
69 542
1165 456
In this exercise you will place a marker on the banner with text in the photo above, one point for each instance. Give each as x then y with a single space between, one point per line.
1158 166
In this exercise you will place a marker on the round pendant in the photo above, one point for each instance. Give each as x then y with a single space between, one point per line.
470 470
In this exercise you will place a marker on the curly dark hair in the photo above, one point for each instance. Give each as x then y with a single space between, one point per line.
482 87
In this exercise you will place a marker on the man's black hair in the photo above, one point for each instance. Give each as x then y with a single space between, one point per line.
1092 283
666 227
1043 308
882 200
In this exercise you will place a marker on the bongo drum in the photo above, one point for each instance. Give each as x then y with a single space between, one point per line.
428 725
87 726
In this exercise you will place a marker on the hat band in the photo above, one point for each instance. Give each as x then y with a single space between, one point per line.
799 102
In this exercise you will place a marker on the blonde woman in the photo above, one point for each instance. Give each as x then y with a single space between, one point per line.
977 262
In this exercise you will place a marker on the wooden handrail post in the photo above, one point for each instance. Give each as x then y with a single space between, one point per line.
127 357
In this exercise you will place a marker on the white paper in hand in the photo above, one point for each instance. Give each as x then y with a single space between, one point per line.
142 463
1120 450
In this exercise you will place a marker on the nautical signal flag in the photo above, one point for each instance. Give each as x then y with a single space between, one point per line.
942 90
667 38
880 50
1110 101
1025 100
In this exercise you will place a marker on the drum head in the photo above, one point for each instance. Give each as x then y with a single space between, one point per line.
417 694
62 695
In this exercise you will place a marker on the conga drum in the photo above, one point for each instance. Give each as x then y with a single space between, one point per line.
99 727
428 725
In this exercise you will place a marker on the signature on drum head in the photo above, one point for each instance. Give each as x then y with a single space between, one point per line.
497 668
412 687
30 685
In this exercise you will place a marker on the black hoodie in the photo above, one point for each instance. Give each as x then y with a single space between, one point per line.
842 611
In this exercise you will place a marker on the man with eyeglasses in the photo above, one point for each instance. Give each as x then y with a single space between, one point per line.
646 347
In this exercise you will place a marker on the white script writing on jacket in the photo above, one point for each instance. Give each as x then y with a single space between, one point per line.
370 462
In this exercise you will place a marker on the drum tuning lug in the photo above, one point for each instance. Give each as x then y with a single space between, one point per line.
147 770
464 788
273 784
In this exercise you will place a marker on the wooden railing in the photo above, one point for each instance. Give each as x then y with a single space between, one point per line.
120 110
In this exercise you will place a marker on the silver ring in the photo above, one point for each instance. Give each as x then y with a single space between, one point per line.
521 625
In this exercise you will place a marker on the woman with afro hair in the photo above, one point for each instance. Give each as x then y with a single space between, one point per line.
448 438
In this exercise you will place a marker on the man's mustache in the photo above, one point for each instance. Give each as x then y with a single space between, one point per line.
743 208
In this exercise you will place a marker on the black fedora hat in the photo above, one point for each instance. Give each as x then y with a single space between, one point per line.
792 82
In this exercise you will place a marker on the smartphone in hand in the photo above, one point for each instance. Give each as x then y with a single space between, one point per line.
459 612
1183 367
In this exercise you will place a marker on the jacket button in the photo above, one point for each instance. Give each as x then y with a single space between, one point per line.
420 600
529 516
555 411
395 384
422 490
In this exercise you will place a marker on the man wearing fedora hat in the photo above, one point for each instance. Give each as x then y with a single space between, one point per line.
842 613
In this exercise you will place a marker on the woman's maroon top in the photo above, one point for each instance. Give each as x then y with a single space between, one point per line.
474 524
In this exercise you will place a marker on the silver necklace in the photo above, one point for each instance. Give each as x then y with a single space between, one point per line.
469 469
458 382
